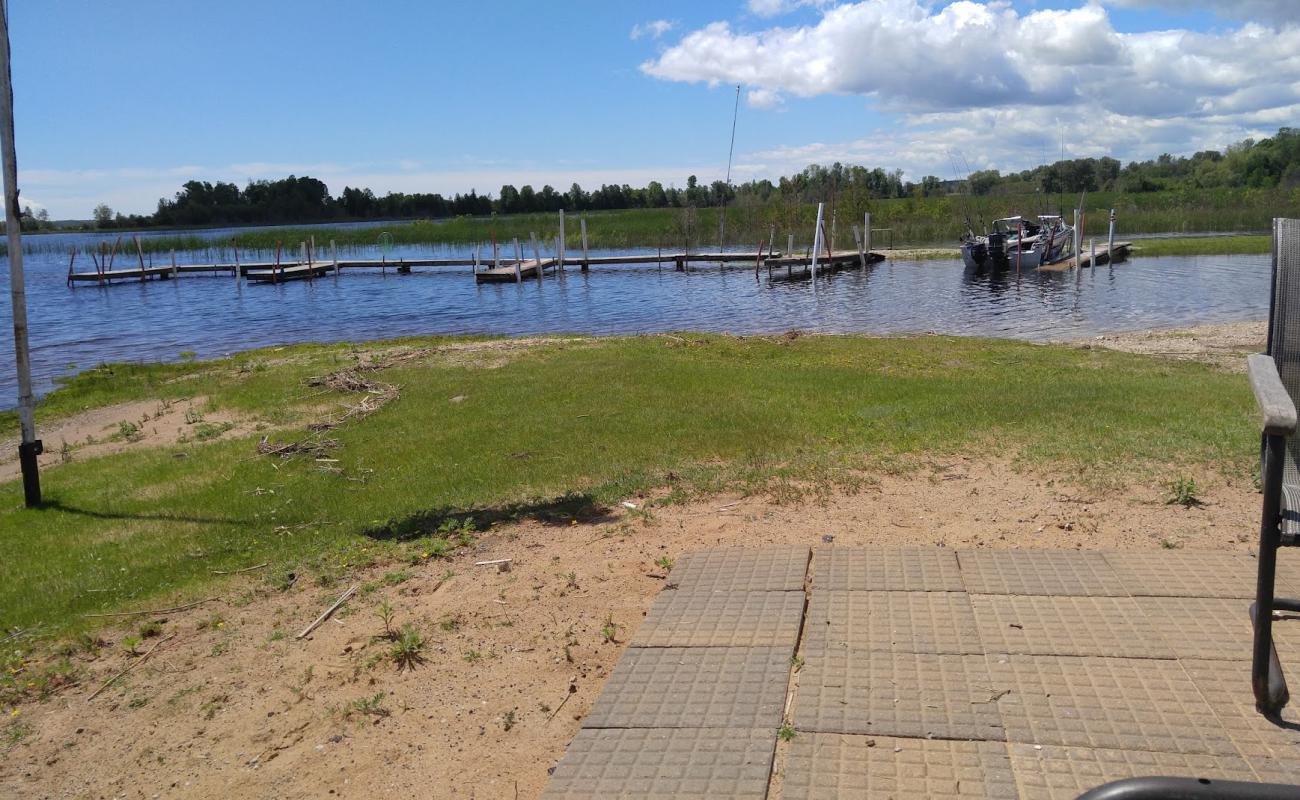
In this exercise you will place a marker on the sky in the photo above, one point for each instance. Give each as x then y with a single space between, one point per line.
121 103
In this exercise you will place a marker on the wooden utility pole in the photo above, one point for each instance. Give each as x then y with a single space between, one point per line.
30 447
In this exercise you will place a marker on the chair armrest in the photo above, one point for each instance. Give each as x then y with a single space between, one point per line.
1275 404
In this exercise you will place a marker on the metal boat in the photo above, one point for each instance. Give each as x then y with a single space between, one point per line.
1017 243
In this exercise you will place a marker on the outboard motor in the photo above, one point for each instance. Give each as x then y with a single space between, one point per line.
997 252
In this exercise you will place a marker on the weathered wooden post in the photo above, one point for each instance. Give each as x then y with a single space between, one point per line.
72 258
519 276
173 265
771 239
475 267
834 214
559 251
789 245
234 245
857 242
275 271
582 223
537 255
334 259
817 240
866 231
1110 238
496 252
1077 243
1092 258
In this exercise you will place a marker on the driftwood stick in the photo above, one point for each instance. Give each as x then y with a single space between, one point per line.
130 667
343 598
245 569
154 611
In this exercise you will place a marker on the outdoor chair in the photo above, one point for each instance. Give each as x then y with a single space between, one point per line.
1275 379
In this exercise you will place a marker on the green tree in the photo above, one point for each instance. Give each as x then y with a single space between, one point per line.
103 216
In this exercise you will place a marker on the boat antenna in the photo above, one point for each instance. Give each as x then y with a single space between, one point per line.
722 204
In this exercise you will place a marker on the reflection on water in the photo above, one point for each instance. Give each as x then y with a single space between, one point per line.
213 315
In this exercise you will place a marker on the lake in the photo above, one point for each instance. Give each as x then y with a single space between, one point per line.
73 329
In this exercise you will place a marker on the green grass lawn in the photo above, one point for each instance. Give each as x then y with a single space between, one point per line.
557 430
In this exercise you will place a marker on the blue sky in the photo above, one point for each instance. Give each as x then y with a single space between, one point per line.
122 102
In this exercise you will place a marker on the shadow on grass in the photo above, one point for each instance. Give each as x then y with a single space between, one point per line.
55 505
447 520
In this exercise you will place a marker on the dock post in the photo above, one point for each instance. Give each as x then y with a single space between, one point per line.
834 214
334 259
496 253
1020 243
537 255
173 265
857 241
817 240
660 261
71 260
519 275
789 245
1077 243
275 271
475 267
1110 238
771 239
140 254
1092 258
234 245
559 251
866 231
583 224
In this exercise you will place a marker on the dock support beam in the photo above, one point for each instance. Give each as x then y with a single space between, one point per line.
817 240
519 275
866 231
857 241
789 245
583 224
537 254
234 245
559 252
1110 238
334 258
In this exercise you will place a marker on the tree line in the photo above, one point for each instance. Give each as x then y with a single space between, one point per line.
1267 163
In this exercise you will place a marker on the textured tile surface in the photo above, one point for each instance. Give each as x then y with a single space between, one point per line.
1109 703
906 622
1218 628
1063 773
1039 572
897 694
878 569
831 766
1276 770
737 569
656 763
1068 626
722 619
1185 573
694 687
1225 685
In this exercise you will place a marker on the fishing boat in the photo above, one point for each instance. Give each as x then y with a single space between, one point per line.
1016 242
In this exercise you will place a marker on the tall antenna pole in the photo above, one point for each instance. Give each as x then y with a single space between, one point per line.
722 206
30 446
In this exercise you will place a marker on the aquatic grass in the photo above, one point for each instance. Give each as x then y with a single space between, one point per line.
561 430
902 222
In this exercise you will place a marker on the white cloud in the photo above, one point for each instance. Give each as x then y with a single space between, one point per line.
767 99
989 79
654 29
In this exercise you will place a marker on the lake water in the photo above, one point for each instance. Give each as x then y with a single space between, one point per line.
74 329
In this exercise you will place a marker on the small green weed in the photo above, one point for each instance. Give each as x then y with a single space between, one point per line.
1184 492
407 648
787 732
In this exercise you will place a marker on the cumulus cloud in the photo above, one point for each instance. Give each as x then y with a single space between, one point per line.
759 97
653 29
933 69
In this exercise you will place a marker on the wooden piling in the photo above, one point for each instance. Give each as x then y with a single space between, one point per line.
583 224
173 265
275 273
474 268
334 258
817 236
857 242
559 251
1110 238
140 254
518 257
789 245
234 245
72 258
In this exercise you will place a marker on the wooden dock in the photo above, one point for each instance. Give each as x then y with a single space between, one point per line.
1104 256
284 271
